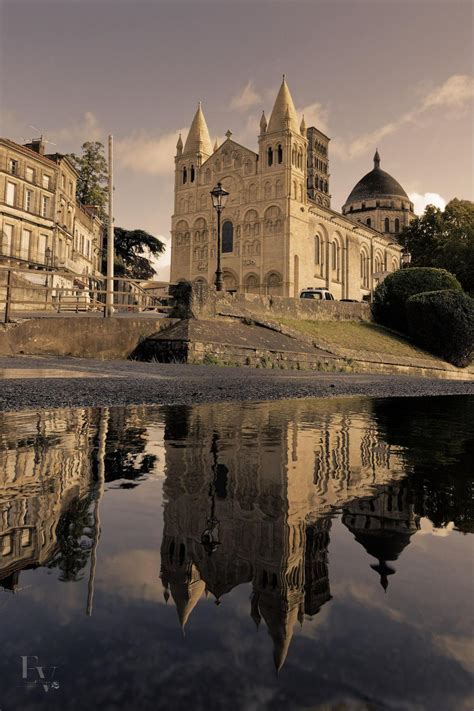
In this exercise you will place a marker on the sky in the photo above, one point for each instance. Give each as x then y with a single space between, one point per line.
392 75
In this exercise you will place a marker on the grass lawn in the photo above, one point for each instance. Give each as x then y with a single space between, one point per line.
358 336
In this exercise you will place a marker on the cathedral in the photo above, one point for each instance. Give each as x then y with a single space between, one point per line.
279 233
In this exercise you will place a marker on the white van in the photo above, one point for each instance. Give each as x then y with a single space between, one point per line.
318 294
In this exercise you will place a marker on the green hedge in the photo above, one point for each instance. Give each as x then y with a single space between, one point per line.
443 323
391 295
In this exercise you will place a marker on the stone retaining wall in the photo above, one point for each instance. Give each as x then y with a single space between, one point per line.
82 336
201 301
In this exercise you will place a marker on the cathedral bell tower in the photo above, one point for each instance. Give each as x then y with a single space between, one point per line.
188 159
282 149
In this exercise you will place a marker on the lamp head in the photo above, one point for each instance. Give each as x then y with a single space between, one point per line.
219 197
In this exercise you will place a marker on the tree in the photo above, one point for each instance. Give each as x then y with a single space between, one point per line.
444 240
131 248
93 176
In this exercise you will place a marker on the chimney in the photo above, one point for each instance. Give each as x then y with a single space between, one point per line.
36 145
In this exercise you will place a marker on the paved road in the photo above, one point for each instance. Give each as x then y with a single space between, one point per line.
30 382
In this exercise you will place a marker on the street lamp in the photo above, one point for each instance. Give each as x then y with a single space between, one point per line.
219 199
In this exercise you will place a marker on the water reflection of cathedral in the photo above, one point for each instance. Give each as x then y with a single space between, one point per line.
249 495
383 525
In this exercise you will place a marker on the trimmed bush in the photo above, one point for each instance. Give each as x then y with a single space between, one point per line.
443 323
391 295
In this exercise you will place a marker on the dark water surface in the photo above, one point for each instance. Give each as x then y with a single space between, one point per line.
311 554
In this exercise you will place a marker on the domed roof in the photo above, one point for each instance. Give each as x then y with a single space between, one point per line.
376 184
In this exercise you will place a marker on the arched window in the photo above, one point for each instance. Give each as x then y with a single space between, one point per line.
369 222
185 175
364 269
397 225
278 189
387 225
270 155
280 153
317 249
192 173
293 156
252 284
295 190
227 237
273 283
268 190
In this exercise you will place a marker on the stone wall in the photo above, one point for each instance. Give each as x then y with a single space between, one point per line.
202 301
81 337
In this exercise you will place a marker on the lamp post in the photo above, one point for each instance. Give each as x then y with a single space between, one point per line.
219 199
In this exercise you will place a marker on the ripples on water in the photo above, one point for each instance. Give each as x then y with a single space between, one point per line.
301 554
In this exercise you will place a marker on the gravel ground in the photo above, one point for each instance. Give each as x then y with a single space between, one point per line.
102 383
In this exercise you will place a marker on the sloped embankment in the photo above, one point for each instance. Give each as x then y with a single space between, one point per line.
294 344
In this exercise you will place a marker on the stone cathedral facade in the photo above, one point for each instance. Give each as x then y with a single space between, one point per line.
279 233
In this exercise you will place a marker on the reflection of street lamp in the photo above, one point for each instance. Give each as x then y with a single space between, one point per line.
219 199
210 535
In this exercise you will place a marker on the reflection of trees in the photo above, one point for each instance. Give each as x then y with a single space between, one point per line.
74 539
436 439
125 456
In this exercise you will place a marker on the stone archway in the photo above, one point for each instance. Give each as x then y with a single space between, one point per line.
274 283
252 284
230 280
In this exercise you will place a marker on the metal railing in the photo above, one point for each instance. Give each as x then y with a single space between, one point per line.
26 293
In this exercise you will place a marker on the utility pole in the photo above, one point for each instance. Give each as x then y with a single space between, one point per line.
110 236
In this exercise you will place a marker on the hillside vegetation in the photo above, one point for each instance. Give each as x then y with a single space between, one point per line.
359 336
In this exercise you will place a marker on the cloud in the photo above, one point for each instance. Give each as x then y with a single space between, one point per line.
69 137
162 264
87 128
247 98
421 200
315 115
147 154
454 93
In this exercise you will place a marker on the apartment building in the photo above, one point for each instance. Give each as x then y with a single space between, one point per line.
41 223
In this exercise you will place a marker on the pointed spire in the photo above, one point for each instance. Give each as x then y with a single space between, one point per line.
179 146
263 123
384 571
283 108
377 159
303 127
198 140
186 587
215 146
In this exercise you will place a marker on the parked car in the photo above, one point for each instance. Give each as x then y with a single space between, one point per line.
317 294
